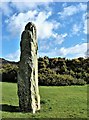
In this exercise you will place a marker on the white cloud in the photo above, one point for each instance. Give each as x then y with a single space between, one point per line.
85 23
64 4
45 28
13 56
59 39
78 50
76 29
24 6
68 11
85 27
83 7
5 8
43 47
51 53
73 9
16 23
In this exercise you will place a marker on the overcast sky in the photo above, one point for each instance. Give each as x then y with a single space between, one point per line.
61 28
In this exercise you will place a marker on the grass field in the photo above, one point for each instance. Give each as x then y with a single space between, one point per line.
56 102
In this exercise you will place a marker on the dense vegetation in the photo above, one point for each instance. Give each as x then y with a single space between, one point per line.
61 71
52 71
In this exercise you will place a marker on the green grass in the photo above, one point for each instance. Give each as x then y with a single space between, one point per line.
56 102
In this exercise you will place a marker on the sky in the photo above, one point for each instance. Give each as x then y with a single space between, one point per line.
61 28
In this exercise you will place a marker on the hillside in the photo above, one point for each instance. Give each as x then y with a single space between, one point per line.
3 61
52 71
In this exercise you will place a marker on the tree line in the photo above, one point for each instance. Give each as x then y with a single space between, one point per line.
52 71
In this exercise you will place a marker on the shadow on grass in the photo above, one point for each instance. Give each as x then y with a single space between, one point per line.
9 108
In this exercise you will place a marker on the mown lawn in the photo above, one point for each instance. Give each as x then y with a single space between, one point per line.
56 102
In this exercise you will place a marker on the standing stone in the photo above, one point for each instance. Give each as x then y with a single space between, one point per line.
28 92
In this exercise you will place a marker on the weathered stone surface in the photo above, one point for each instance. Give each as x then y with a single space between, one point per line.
28 92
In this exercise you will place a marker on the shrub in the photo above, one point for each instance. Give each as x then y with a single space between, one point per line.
9 73
50 78
80 82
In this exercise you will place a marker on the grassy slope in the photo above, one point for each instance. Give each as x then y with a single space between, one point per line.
56 102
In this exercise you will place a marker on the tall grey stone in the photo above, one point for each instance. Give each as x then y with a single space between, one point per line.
28 92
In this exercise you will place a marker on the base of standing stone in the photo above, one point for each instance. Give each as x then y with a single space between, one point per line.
24 93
